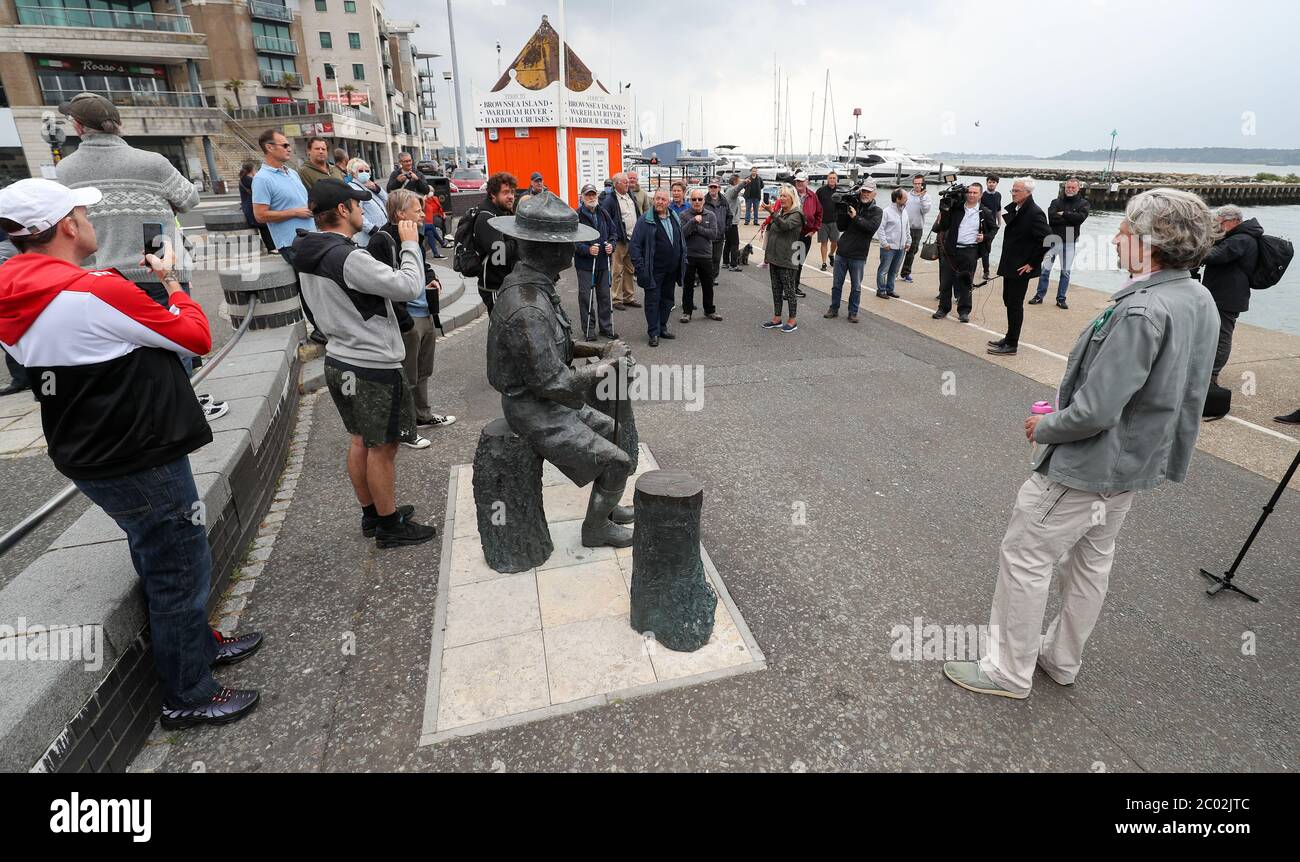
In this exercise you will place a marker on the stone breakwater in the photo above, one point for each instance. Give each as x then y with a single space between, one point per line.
1061 175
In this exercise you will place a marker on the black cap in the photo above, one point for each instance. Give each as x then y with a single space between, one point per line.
328 193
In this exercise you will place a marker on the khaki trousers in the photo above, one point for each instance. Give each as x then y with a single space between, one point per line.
418 364
622 275
1051 523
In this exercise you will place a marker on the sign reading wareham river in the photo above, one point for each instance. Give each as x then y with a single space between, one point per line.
517 107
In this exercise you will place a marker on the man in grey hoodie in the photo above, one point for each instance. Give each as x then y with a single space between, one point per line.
352 295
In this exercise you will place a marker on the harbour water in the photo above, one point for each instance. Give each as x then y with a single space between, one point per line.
1095 263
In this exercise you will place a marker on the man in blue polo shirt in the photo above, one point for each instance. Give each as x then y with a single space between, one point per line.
280 202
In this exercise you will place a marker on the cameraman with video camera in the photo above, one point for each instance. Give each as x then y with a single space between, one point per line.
857 217
963 223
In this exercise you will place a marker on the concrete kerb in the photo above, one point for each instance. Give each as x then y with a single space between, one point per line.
86 577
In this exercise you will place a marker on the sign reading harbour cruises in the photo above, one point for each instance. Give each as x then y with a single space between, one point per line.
514 106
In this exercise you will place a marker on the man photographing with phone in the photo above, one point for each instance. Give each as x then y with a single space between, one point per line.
120 420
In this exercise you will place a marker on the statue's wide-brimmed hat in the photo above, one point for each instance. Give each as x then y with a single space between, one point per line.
544 218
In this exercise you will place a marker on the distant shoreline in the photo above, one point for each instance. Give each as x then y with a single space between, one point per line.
1147 155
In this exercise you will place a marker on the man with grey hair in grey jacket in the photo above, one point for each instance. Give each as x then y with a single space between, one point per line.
1126 419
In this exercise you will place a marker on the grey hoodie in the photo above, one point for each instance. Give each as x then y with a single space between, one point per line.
351 295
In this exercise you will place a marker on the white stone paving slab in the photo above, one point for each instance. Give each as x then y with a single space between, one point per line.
514 648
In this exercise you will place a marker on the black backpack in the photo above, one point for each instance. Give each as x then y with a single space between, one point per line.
1274 257
466 259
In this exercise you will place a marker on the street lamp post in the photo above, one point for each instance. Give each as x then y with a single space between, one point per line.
455 73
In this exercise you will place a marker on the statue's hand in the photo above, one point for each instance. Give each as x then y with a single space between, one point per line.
616 349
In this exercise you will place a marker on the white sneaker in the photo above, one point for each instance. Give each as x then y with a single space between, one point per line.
205 400
437 420
215 410
417 442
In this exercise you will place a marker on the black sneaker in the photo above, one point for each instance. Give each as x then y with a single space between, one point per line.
1036 300
772 324
227 705
236 649
1060 303
667 334
369 524
407 532
823 267
799 293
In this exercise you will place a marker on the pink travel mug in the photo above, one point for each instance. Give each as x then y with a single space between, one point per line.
1040 408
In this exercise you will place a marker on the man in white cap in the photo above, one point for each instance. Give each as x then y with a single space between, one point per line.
120 419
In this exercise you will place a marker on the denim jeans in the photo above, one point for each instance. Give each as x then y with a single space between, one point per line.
751 207
433 237
890 260
854 270
1066 253
157 510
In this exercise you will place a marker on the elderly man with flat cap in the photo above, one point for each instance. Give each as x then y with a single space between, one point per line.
530 348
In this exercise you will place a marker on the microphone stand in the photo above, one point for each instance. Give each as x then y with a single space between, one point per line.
1225 582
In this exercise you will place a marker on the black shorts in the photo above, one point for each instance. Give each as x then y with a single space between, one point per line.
375 403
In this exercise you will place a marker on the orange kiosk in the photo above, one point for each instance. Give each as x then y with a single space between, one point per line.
572 135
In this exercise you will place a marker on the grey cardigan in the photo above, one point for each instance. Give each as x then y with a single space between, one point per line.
1129 406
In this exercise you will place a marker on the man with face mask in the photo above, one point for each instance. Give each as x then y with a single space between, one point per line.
591 260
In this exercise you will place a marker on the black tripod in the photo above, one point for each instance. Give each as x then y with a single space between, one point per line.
1225 582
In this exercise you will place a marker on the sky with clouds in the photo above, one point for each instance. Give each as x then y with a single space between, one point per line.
1039 77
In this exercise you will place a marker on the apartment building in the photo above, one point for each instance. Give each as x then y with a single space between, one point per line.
141 54
199 80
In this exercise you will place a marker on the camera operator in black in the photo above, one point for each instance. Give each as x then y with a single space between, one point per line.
992 201
963 224
858 217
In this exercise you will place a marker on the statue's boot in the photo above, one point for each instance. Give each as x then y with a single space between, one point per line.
622 514
597 528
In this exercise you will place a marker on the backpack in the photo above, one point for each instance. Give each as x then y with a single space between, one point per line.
1274 257
466 259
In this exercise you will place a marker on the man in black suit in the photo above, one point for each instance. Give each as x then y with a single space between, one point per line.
963 230
1022 258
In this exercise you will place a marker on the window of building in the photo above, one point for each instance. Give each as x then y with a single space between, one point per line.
320 5
329 72
326 40
278 65
358 72
354 41
275 31
350 7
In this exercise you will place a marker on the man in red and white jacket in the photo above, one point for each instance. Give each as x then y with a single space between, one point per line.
120 420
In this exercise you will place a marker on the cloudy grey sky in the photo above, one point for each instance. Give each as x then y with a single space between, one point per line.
1039 76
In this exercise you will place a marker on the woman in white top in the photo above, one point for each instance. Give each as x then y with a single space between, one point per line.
373 211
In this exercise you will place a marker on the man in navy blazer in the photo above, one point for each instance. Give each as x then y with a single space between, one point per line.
659 258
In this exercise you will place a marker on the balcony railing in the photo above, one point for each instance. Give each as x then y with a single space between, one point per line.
272 78
111 19
298 108
275 45
132 99
271 11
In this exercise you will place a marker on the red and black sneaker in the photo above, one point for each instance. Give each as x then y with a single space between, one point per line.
227 705
236 649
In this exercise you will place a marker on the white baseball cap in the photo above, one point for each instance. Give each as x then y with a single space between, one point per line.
39 204
801 177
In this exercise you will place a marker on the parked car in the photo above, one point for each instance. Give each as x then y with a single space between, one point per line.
468 180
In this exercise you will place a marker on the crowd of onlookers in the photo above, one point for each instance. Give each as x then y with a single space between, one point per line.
108 350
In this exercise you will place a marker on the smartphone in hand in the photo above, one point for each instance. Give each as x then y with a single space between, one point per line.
153 238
